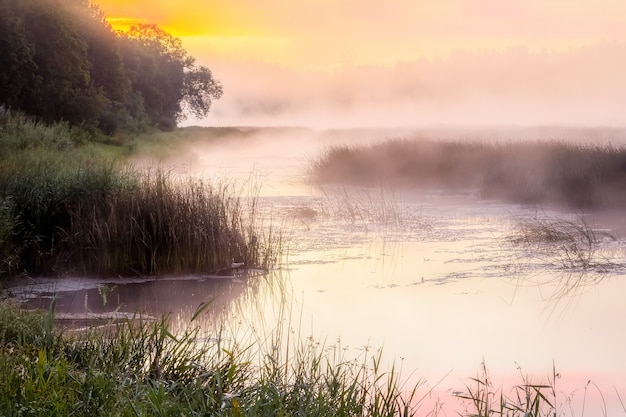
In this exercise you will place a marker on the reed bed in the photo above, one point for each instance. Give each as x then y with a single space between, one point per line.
67 209
553 172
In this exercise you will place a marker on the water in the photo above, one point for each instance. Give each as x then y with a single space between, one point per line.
434 279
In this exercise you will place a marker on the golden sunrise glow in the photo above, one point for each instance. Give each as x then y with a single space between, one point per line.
327 34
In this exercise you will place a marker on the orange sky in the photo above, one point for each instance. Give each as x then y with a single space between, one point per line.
326 34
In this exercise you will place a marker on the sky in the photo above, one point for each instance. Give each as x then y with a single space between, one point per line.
250 44
326 34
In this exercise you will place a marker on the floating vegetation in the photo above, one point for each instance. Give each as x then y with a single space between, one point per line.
568 244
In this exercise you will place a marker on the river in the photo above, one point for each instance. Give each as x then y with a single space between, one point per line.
436 280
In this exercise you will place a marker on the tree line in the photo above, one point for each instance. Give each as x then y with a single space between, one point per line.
61 61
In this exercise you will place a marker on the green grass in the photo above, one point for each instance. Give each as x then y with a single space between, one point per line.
526 172
73 208
142 369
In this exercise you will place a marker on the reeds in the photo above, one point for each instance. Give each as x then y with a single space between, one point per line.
141 368
161 226
569 244
527 399
68 210
527 172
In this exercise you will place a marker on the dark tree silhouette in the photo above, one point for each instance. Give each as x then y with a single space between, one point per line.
61 60
167 78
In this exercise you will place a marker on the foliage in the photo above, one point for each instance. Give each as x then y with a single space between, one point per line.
67 64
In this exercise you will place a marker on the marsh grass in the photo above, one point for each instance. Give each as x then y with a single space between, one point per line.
580 255
526 172
571 244
362 205
68 209
141 368
527 399
163 226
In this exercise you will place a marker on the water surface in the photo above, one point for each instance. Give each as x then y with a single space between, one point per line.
435 279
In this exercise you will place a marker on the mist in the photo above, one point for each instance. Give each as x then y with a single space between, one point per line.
581 87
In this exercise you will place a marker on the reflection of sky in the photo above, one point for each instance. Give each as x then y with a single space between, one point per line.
448 297
362 33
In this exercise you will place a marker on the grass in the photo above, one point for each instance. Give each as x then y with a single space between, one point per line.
527 399
571 244
73 208
580 255
527 172
142 369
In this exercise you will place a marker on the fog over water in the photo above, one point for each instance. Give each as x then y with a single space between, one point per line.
581 86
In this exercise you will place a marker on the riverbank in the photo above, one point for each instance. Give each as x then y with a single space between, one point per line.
140 368
70 204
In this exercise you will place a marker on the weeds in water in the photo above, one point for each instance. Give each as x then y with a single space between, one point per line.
526 400
571 245
362 205
581 255
163 227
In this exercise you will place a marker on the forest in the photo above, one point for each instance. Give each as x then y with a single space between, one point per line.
60 61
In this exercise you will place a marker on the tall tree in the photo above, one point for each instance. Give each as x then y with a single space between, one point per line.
107 74
65 92
167 77
17 68
61 60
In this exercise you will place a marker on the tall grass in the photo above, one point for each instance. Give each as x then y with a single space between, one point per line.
527 399
66 209
158 226
528 172
141 368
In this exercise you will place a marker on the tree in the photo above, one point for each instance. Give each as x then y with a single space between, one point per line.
61 60
65 92
167 78
107 73
17 68
199 90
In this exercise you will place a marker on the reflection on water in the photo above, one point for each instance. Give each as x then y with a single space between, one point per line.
79 301
434 279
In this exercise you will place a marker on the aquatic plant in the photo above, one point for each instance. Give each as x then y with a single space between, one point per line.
160 225
527 172
527 399
569 244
